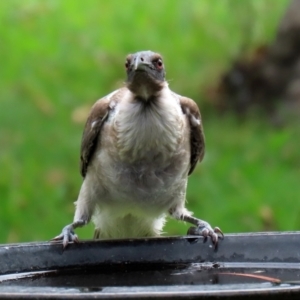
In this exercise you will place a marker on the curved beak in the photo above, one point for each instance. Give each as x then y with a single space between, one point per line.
140 62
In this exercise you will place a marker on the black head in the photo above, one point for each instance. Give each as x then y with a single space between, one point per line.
145 73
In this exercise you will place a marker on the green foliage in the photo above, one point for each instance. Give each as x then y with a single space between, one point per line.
58 57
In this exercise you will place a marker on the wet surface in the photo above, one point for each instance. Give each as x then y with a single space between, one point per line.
159 275
197 278
251 266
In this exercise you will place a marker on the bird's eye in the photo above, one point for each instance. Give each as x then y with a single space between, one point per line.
158 63
127 64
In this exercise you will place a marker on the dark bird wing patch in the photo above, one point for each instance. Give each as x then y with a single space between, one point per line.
197 142
99 113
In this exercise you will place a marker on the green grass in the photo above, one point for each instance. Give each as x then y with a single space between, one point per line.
58 57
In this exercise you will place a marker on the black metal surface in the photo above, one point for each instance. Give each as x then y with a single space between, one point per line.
175 267
256 247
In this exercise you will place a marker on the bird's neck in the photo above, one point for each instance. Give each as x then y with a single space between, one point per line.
145 89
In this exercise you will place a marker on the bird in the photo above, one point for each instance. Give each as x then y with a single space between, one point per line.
139 145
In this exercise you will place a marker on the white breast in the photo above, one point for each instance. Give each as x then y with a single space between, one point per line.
148 130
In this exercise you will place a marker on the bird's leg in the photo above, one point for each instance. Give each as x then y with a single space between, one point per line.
85 206
202 227
68 235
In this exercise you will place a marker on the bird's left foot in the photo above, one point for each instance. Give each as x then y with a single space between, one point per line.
67 235
205 230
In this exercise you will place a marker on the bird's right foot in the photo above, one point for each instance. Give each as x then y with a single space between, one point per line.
67 235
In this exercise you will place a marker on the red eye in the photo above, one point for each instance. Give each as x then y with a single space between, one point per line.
159 64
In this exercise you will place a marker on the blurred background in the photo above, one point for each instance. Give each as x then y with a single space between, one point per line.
237 59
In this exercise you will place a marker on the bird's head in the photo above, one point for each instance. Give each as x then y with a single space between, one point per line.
145 74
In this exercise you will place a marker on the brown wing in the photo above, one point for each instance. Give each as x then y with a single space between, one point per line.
191 110
92 130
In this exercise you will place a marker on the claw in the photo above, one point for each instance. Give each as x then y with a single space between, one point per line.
57 238
206 231
67 235
218 231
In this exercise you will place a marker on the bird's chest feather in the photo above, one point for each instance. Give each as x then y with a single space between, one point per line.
148 150
148 131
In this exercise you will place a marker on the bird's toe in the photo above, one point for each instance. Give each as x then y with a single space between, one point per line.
205 230
67 235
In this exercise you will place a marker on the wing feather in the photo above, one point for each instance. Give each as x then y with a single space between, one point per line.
92 131
197 141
